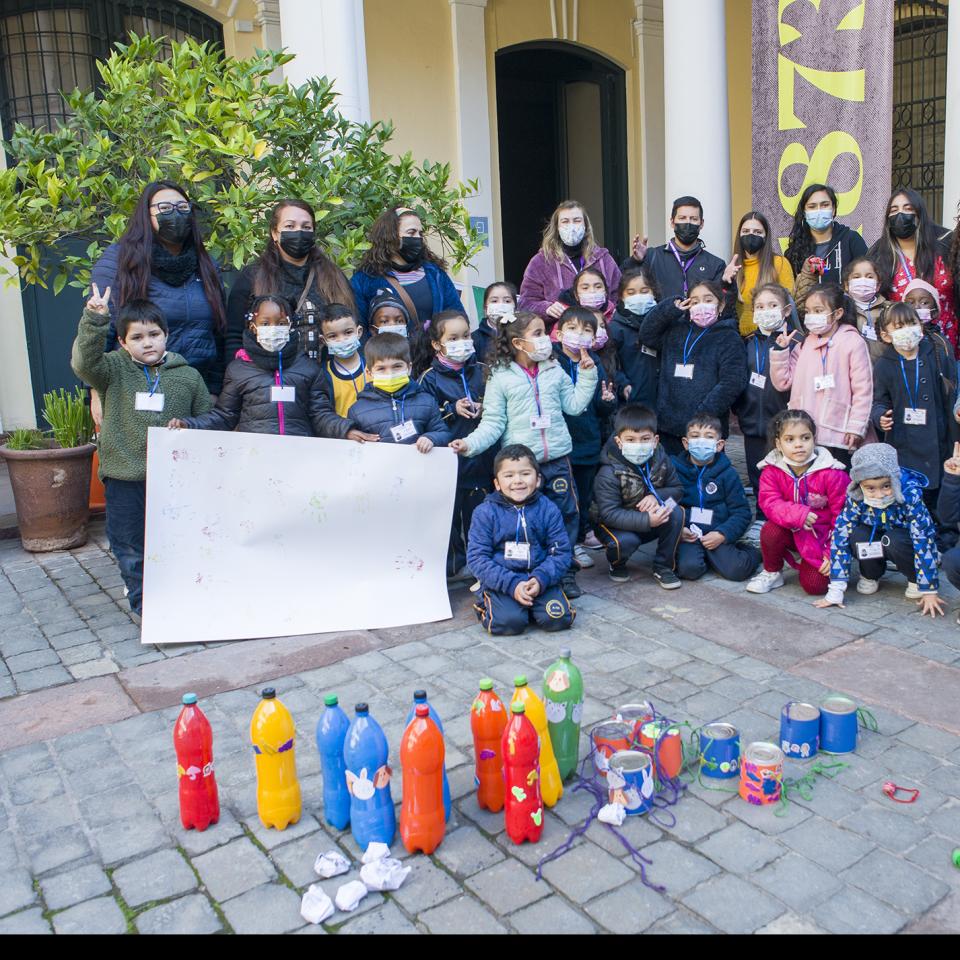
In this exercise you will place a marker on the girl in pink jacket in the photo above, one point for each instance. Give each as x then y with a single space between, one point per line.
829 374
802 490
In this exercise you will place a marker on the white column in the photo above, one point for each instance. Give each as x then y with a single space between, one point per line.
696 125
474 160
951 159
328 39
648 29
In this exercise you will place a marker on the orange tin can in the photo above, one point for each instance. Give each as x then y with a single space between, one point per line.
607 738
665 741
761 774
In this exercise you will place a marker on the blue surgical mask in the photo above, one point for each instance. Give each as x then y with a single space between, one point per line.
637 453
818 219
344 348
640 303
702 448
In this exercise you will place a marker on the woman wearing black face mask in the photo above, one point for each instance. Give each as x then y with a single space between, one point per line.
161 258
400 259
293 267
908 249
753 248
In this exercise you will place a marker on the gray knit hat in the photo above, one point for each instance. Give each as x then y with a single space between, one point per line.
871 462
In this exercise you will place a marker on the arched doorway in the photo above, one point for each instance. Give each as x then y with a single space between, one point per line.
562 129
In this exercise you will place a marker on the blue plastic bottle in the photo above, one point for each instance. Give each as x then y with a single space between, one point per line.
331 733
420 696
365 754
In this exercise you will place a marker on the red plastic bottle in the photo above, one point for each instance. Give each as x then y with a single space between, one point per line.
488 719
523 807
193 741
422 818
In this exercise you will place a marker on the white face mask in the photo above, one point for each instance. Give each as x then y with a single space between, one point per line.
542 348
879 503
925 314
817 322
274 338
495 310
575 341
593 300
907 338
459 351
768 320
399 329
572 234
637 453
640 303
863 289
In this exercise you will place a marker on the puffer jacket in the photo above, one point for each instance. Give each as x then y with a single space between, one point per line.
717 487
377 411
545 279
484 339
586 430
510 402
639 364
537 522
445 296
621 485
786 499
868 323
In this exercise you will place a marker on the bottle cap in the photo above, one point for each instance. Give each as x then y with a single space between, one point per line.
189 698
517 707
331 700
520 680
486 684
268 693
423 710
565 653
361 708
419 694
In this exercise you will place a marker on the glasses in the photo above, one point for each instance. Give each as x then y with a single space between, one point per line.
164 207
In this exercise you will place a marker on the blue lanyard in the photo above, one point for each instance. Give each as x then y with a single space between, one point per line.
402 402
904 264
280 367
823 356
915 396
521 520
686 343
645 473
466 388
152 384
574 371
353 379
876 523
684 267
700 485
796 488
760 363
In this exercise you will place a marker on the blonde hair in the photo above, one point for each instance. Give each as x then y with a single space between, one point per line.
552 247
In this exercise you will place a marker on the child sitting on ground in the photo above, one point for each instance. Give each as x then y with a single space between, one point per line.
884 518
345 371
519 550
716 507
140 386
636 496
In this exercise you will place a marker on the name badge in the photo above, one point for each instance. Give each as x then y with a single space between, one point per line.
869 333
823 383
283 394
669 504
649 351
684 370
870 551
514 550
701 516
540 423
696 531
403 431
146 401
758 380
915 416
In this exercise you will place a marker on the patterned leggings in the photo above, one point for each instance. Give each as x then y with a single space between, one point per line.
778 545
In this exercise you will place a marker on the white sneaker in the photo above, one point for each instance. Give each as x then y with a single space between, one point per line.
912 592
867 586
582 557
765 581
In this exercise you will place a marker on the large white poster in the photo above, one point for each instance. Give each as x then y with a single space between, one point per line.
262 536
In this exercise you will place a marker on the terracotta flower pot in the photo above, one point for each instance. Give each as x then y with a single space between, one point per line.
51 488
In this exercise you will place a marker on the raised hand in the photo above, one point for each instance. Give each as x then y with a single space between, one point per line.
99 303
555 309
785 339
682 304
586 361
639 247
606 392
732 269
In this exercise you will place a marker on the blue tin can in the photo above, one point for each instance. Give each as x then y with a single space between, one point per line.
838 725
630 780
799 730
719 751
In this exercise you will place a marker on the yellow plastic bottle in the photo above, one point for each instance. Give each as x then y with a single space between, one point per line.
272 734
551 786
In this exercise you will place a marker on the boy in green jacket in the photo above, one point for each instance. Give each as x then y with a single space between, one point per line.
140 386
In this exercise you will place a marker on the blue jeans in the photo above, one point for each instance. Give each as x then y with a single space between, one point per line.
126 511
501 615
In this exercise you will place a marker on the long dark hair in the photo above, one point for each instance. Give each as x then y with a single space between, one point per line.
135 263
800 245
784 417
330 281
837 299
422 346
502 354
384 237
646 274
884 252
767 272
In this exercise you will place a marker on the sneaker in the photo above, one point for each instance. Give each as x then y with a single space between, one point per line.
618 574
666 578
912 592
570 587
475 588
867 586
591 542
582 557
765 581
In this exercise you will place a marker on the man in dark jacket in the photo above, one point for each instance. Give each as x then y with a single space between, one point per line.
636 497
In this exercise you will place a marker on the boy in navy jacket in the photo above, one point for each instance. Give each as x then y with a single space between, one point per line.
519 550
716 508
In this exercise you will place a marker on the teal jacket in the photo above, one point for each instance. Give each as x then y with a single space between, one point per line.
510 402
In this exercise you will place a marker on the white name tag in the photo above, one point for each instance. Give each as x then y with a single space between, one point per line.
669 504
649 351
869 333
823 383
514 550
915 416
283 394
696 531
146 401
684 370
701 516
758 380
404 431
540 423
870 551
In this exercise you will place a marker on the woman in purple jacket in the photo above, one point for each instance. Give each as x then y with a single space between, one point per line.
568 247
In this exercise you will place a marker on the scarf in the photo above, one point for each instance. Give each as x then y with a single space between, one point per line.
266 360
174 269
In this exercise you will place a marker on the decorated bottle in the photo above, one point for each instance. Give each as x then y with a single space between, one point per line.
422 817
551 786
365 754
563 693
523 809
488 718
420 696
331 732
272 734
193 742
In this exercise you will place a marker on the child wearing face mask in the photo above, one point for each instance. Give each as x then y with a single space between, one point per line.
884 518
861 280
923 297
589 290
802 490
344 371
499 300
526 397
389 315
272 387
636 497
455 380
639 365
703 361
715 505
831 374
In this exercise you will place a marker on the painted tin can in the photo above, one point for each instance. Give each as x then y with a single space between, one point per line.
839 726
761 773
630 780
655 735
719 751
799 730
636 714
608 738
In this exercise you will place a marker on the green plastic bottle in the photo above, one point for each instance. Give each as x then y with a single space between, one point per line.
563 693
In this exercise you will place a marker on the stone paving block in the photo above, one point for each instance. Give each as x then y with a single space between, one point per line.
160 876
233 869
123 802
892 830
827 844
930 740
36 789
271 908
699 672
695 819
830 798
575 805
769 703
905 762
631 908
45 817
426 886
508 886
733 905
71 656
74 886
709 705
129 838
97 779
551 916
296 859
791 924
41 679
16 892
586 872
897 882
463 915
763 818
466 851
186 916
26 922
490 823
51 851
24 662
95 916
672 691
637 830
943 918
555 832
933 856
93 668
270 838
386 919
675 867
741 850
682 921
852 911
798 882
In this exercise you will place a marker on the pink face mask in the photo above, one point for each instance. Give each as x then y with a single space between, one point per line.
602 338
703 314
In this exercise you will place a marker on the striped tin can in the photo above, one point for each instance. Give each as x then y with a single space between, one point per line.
668 744
799 730
630 781
761 773
608 738
636 714
838 725
719 751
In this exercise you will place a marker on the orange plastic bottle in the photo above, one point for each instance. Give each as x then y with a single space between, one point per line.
551 786
488 718
422 819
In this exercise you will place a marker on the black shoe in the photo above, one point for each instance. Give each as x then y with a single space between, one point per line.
666 578
570 587
618 574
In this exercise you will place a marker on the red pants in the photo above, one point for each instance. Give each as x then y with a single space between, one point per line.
777 545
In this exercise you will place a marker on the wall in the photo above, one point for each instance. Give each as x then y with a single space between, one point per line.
739 91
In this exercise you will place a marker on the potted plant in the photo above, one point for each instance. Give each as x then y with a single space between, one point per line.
50 476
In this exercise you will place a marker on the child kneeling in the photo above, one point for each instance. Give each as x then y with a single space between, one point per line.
519 550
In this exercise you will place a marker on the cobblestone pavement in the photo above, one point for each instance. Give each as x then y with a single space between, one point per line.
90 839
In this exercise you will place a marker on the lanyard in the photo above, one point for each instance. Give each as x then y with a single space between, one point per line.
685 267
914 397
700 485
645 473
761 358
536 389
876 523
402 402
353 378
280 368
796 488
521 521
574 371
823 356
686 343
905 264
152 384
466 388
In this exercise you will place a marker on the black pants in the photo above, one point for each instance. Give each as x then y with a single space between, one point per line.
897 546
950 566
731 561
126 512
467 500
841 454
622 544
755 449
583 477
559 486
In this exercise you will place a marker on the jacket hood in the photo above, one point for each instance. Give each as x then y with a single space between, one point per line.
687 469
823 460
501 501
628 319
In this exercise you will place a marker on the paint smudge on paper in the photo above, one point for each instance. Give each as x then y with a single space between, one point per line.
318 504
410 561
179 455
